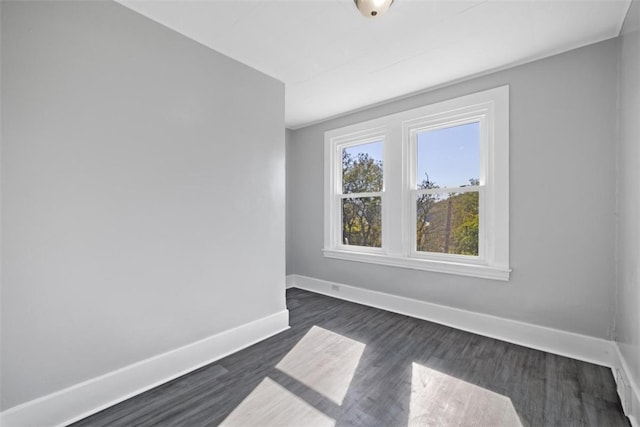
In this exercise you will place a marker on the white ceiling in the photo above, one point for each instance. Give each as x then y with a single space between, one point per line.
332 60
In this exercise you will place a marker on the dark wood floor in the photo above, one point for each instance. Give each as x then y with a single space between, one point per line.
344 364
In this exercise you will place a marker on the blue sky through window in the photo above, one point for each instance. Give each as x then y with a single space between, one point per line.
373 149
451 156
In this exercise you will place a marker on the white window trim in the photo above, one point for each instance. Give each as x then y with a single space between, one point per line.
491 109
410 131
333 223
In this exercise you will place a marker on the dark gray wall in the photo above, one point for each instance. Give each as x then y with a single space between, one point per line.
143 193
628 307
562 198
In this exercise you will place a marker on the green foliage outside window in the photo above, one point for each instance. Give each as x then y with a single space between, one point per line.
361 216
445 222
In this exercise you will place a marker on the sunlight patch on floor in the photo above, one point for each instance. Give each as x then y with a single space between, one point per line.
438 399
270 404
324 361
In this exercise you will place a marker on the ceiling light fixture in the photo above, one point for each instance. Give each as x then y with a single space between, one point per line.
373 8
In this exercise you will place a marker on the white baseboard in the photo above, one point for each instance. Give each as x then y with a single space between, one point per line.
576 346
290 281
628 389
81 400
569 344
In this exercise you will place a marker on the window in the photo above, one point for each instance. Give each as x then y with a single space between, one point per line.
361 194
447 189
425 189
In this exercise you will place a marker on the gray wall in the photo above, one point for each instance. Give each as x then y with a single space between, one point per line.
628 307
143 193
562 139
289 192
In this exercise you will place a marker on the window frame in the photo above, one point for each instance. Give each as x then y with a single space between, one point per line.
398 197
334 225
413 128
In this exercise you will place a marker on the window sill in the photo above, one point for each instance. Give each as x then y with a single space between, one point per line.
462 269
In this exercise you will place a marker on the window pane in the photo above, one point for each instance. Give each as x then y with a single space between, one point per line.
362 221
449 157
362 168
447 223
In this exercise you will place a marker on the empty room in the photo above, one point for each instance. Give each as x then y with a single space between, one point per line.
320 213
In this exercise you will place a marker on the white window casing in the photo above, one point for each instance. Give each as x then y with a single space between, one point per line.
398 132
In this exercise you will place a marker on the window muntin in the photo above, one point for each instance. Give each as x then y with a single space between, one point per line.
478 191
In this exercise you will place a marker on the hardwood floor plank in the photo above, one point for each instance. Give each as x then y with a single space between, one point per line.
344 364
